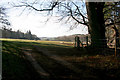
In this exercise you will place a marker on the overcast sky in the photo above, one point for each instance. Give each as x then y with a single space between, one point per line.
35 21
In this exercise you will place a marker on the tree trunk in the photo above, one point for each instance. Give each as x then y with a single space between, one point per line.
96 23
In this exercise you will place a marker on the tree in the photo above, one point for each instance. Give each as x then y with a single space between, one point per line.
94 19
28 35
96 23
111 15
3 16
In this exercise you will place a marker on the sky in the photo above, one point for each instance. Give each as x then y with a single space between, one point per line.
36 22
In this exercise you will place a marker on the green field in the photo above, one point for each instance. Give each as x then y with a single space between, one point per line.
15 66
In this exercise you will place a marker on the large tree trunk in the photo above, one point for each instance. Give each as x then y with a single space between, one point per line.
96 23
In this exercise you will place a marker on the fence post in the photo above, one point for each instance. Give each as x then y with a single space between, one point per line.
115 45
87 41
75 42
78 43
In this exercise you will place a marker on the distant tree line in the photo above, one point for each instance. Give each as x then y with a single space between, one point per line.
8 33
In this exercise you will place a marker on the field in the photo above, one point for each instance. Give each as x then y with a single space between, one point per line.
59 59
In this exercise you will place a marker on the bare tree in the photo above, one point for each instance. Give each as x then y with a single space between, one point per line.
73 10
3 16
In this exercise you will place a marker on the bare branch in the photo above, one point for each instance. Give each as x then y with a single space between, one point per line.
76 15
80 12
28 5
77 20
71 14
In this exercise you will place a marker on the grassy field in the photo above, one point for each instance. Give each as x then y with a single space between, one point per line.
14 65
94 66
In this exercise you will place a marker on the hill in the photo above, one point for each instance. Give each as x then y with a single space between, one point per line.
71 38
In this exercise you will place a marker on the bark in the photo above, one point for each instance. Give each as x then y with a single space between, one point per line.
96 23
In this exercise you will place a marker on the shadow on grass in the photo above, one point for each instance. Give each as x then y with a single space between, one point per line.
14 65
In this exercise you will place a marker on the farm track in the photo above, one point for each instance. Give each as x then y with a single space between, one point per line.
38 68
57 68
62 70
19 59
58 59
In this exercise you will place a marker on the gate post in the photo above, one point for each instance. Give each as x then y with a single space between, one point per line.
75 42
87 41
78 42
